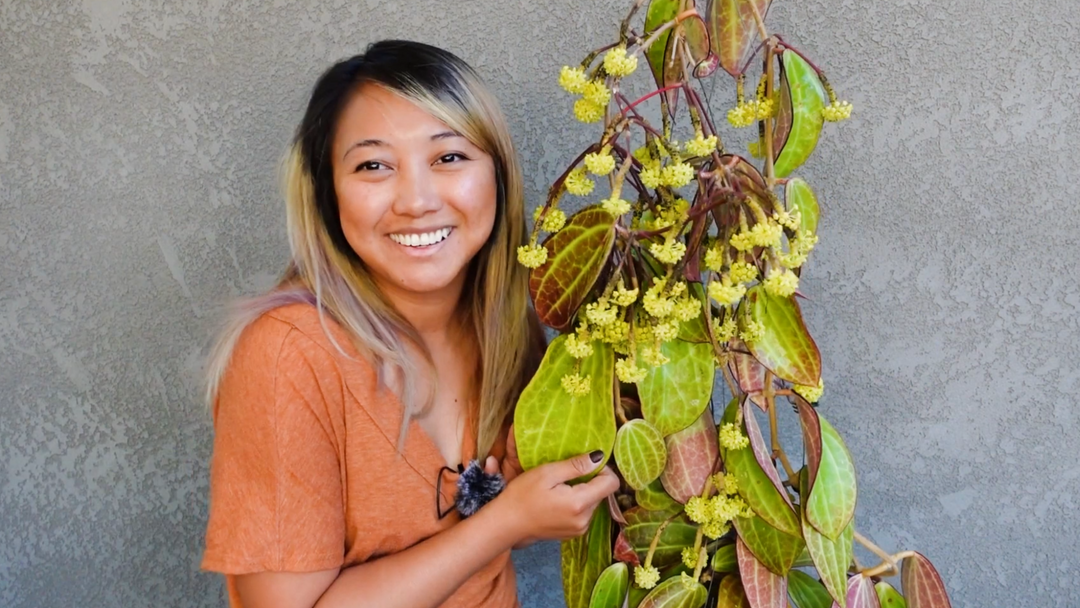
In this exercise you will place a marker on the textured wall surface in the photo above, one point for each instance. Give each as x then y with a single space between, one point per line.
138 142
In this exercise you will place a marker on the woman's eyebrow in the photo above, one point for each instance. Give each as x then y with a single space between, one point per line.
368 143
446 135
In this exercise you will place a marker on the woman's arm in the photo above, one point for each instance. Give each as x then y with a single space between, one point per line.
538 504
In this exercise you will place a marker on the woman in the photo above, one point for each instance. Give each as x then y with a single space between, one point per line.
391 353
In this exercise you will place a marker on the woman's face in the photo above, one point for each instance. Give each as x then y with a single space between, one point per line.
416 200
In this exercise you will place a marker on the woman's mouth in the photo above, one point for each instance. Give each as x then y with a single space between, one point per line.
424 239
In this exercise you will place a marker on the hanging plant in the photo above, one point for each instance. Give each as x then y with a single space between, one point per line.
687 264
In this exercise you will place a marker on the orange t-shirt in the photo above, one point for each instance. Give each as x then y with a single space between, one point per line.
305 474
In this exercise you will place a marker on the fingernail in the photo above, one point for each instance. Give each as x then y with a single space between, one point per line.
596 456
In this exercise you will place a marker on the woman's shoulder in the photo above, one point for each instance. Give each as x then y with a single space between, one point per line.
292 330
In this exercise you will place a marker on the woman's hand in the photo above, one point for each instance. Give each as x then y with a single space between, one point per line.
539 504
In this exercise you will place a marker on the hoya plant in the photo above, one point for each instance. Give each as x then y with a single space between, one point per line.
684 263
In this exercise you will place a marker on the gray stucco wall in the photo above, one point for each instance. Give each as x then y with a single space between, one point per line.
138 142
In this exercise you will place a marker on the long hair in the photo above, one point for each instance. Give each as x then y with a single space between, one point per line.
326 272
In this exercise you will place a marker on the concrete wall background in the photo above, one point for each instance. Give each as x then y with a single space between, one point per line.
138 141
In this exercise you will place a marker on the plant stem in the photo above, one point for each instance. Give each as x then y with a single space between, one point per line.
774 433
888 566
759 20
770 170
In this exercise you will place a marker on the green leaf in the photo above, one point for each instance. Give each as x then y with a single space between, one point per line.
731 593
812 446
831 557
773 548
922 584
762 453
659 13
673 593
674 394
584 558
860 593
831 503
786 347
807 100
764 588
725 559
693 455
888 596
640 453
551 425
576 255
798 195
611 587
755 486
641 528
637 594
653 498
733 30
807 592
694 329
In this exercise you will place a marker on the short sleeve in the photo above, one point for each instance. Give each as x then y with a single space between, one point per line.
275 474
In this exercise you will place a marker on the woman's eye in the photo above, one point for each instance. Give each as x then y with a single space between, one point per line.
451 157
371 165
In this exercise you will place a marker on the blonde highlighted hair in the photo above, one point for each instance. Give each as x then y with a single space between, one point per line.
325 272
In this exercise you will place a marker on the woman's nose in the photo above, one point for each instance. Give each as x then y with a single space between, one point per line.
416 194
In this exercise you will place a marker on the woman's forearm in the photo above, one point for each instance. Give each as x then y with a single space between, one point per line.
426 574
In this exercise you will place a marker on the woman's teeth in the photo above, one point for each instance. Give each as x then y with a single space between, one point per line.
421 240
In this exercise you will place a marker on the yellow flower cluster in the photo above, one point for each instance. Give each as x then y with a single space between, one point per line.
726 482
788 219
575 385
743 115
618 64
670 215
811 393
701 145
646 577
743 272
652 355
577 183
668 252
577 347
836 111
652 177
714 258
766 108
587 111
623 296
724 332
601 313
686 308
690 557
732 438
756 149
677 175
752 331
629 372
725 293
781 283
573 80
801 246
659 304
532 256
554 220
763 234
600 163
615 206
714 514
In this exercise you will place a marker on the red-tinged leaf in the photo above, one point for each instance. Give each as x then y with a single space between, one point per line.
830 504
774 549
763 588
732 594
641 528
674 593
782 123
654 498
831 557
921 583
624 552
611 587
701 53
745 173
733 30
674 395
860 593
762 453
615 510
807 592
674 72
584 558
806 95
755 486
576 255
811 430
888 596
748 373
800 197
726 559
785 347
693 455
640 453
659 13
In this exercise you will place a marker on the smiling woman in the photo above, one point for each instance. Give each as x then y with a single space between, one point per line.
391 352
